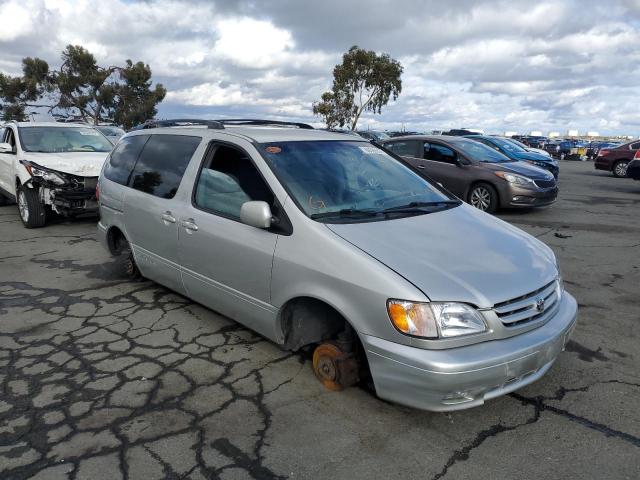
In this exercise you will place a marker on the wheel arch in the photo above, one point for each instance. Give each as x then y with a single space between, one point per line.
115 239
486 182
304 320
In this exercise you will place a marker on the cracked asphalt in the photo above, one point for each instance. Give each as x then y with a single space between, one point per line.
101 378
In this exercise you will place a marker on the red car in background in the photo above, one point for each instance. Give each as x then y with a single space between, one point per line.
616 160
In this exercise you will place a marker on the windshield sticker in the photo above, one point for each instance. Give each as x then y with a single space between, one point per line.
273 149
372 150
93 133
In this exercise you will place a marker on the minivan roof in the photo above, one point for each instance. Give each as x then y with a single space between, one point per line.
259 134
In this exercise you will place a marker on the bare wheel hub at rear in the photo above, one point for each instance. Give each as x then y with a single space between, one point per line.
334 368
481 198
23 207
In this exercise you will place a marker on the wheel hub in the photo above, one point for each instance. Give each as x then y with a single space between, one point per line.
334 368
23 207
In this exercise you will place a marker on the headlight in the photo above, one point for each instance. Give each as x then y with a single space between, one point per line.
435 319
44 173
514 178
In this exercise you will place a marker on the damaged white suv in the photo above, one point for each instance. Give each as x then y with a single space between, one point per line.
50 167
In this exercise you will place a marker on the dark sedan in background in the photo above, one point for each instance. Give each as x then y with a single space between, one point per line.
633 169
373 135
478 174
616 160
517 153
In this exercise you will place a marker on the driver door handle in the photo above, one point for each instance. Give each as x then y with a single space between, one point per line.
189 225
167 217
421 167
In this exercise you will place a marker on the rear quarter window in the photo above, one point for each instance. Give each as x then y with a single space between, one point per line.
120 164
403 148
162 163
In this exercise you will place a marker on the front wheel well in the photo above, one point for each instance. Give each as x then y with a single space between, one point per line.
307 320
483 182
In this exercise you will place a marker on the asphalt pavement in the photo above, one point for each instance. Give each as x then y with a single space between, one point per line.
102 378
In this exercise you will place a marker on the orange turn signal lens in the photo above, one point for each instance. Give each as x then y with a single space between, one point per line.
412 318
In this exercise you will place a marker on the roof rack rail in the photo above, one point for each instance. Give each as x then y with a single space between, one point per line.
182 122
254 121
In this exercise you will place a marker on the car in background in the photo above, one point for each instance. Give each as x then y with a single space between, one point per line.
373 135
526 147
532 141
594 148
617 159
573 149
112 132
461 132
517 153
633 169
476 173
51 167
402 133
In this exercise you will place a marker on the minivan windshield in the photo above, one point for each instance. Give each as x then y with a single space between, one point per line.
63 139
351 181
480 152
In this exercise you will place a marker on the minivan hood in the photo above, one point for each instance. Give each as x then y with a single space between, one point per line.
461 254
82 164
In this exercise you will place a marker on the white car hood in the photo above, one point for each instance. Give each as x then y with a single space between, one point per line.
460 254
83 164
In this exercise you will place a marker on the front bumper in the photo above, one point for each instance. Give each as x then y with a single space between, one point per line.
76 198
464 377
524 197
601 164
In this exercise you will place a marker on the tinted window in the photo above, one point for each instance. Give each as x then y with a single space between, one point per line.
228 180
635 146
162 163
439 153
120 164
402 148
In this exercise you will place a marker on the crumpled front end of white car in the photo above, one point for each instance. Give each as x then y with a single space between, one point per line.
66 194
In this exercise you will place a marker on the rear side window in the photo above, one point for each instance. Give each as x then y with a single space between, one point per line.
439 153
120 164
635 146
162 163
407 149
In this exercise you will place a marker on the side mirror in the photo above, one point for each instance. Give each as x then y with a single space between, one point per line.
256 214
6 148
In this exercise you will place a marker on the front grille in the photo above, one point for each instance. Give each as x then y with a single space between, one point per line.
530 307
545 183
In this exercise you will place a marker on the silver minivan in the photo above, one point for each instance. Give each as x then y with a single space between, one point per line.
313 238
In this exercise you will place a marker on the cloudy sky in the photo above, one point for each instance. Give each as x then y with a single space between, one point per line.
498 65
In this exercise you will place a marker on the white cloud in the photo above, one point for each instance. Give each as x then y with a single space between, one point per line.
495 64
16 21
251 43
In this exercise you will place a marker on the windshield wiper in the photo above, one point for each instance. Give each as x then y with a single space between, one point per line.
346 213
420 206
